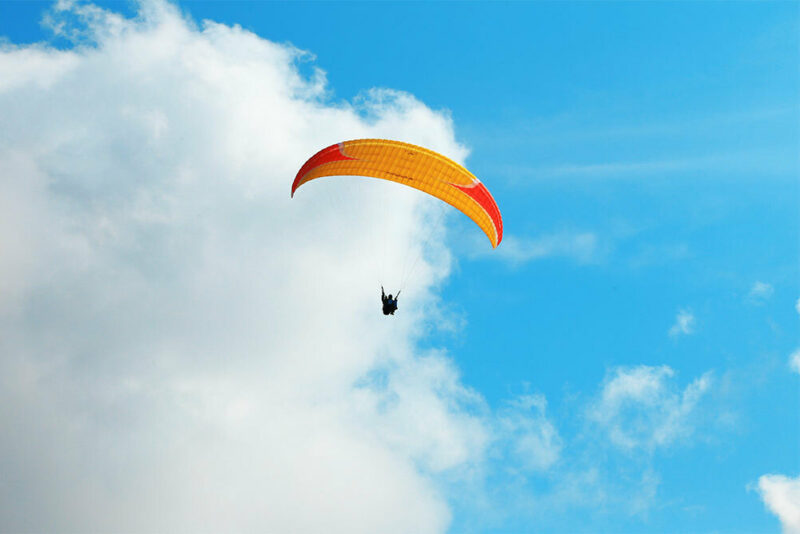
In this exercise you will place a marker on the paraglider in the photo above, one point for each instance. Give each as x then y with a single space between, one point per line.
389 303
413 166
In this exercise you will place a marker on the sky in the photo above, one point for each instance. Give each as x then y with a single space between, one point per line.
184 347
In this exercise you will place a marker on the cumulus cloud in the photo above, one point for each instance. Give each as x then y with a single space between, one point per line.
609 463
684 324
641 408
421 409
781 495
184 347
794 361
579 246
760 292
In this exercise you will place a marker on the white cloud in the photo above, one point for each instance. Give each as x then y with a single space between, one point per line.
184 347
608 464
580 246
639 408
760 292
533 439
420 408
624 168
659 254
797 306
735 162
794 361
781 494
684 324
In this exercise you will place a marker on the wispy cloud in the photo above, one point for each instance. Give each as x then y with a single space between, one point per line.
607 462
620 168
781 495
730 162
640 408
684 324
760 292
794 361
569 128
659 254
579 246
532 438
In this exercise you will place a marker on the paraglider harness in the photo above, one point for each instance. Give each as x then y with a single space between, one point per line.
389 303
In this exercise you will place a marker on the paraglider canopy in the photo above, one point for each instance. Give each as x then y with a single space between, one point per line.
413 166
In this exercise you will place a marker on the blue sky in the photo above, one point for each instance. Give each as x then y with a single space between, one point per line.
645 159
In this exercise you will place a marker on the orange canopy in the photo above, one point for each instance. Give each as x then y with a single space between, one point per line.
413 166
